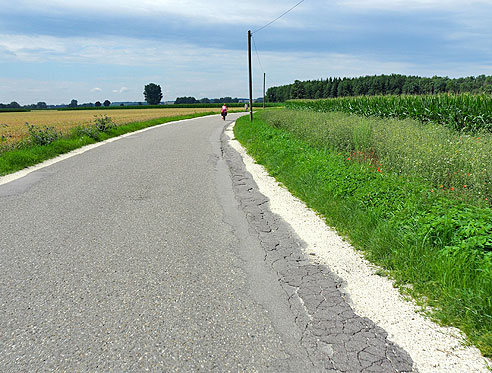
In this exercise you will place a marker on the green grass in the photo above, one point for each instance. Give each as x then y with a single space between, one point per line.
448 162
29 153
440 244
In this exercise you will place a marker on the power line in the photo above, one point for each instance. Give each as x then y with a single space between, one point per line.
283 14
259 61
257 55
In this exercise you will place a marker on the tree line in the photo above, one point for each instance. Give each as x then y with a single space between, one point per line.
205 100
394 84
42 105
152 94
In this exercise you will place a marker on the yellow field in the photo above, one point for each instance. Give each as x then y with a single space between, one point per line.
12 125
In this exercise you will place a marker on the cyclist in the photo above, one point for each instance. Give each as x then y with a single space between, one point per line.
223 112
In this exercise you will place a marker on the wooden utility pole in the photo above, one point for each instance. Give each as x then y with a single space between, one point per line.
264 78
250 78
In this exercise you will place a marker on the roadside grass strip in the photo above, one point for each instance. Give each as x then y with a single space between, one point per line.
437 248
45 143
447 161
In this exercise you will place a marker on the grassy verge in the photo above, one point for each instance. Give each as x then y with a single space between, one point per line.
29 153
445 160
439 244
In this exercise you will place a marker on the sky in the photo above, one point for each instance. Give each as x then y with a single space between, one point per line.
89 50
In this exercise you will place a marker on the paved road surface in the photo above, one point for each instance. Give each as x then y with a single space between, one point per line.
156 252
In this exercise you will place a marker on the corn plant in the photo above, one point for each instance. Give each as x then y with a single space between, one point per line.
463 112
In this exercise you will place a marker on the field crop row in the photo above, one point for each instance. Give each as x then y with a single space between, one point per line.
463 112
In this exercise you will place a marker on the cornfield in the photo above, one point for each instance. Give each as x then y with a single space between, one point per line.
462 112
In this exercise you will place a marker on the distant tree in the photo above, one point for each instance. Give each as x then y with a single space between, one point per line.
98 104
227 99
122 104
204 100
73 103
153 94
185 100
41 105
298 90
14 105
107 103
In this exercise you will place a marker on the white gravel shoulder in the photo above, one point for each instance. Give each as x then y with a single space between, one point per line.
433 348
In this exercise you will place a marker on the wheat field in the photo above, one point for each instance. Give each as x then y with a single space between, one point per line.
13 128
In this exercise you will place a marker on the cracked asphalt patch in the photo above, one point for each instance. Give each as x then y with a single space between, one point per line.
334 337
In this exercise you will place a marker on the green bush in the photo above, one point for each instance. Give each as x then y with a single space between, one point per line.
42 135
103 123
89 131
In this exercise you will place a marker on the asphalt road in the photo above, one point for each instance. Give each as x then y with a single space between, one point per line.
156 252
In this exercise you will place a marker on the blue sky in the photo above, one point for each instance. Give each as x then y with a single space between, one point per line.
88 50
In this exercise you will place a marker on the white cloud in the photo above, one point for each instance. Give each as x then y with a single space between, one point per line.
96 90
170 56
247 12
31 47
121 90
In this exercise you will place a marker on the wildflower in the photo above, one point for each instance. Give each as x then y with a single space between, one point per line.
441 186
464 186
451 188
432 190
348 159
379 169
369 166
478 138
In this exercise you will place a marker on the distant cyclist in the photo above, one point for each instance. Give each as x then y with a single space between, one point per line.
223 112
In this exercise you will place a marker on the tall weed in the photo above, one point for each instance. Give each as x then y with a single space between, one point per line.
447 161
42 135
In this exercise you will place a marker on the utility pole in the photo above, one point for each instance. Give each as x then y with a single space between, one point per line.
264 78
250 78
